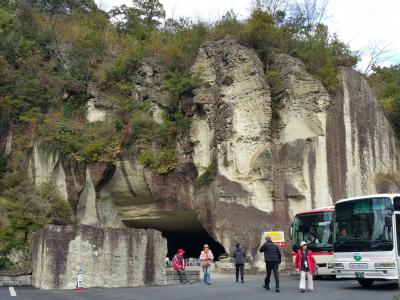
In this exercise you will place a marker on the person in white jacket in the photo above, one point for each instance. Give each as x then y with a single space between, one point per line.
206 258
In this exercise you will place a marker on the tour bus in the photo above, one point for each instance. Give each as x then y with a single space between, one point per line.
314 227
366 236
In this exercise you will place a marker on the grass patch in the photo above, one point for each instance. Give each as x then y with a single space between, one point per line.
208 176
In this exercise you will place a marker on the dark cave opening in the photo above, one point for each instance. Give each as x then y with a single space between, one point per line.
183 230
192 243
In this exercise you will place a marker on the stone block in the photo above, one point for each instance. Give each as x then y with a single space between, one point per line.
109 257
172 277
15 278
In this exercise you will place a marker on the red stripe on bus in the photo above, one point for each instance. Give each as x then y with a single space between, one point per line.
316 253
306 212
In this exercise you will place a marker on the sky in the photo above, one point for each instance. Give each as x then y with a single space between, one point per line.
360 23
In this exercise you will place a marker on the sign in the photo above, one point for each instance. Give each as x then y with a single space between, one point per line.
358 266
79 281
362 207
278 237
357 256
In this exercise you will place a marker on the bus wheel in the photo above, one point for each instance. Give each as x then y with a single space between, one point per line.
398 284
366 283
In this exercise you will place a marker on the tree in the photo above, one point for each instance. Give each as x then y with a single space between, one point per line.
377 52
87 48
148 13
65 6
308 14
385 81
25 209
276 8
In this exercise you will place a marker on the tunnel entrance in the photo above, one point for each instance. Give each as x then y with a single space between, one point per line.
192 243
183 230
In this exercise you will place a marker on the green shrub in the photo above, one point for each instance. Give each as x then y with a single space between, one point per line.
179 45
259 31
228 25
385 81
178 83
274 78
162 161
208 176
146 158
3 166
5 263
74 140
27 209
183 123
57 210
14 179
143 128
119 73
166 161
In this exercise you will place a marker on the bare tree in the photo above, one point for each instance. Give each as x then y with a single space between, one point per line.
271 6
377 52
311 12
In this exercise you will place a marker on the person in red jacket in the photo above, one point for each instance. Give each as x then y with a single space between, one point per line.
180 265
305 264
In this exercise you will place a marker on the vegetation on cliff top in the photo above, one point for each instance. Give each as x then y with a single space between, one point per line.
385 81
54 53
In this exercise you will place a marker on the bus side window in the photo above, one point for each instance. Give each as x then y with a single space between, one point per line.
396 202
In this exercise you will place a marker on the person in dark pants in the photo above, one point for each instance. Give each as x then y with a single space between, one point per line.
239 256
180 266
272 257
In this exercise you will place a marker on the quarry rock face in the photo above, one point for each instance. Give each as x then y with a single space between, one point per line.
109 257
275 153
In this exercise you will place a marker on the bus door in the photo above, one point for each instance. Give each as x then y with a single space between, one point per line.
396 236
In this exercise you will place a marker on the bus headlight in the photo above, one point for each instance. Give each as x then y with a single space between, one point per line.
390 265
338 265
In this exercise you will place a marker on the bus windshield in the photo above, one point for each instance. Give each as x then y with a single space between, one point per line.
363 225
314 229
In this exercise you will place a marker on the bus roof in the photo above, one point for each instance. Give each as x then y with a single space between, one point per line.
388 195
316 210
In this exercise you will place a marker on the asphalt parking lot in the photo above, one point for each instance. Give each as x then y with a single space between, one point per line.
222 288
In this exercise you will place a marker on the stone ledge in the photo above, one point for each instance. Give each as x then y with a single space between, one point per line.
16 273
15 280
172 277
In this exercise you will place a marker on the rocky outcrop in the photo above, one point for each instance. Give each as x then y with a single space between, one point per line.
45 166
109 257
275 155
302 133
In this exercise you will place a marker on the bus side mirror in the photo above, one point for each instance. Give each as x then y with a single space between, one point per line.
388 221
291 231
391 210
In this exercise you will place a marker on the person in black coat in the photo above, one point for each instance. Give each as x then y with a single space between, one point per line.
239 255
272 257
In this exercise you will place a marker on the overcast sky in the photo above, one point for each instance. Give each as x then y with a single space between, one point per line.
359 23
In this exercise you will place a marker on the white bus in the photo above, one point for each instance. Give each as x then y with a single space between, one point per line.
315 222
366 238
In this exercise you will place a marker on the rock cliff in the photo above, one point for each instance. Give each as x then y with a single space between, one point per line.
275 154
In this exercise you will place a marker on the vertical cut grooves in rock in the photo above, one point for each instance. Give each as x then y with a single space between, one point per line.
336 147
149 270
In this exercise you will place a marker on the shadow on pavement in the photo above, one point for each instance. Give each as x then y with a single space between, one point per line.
387 286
